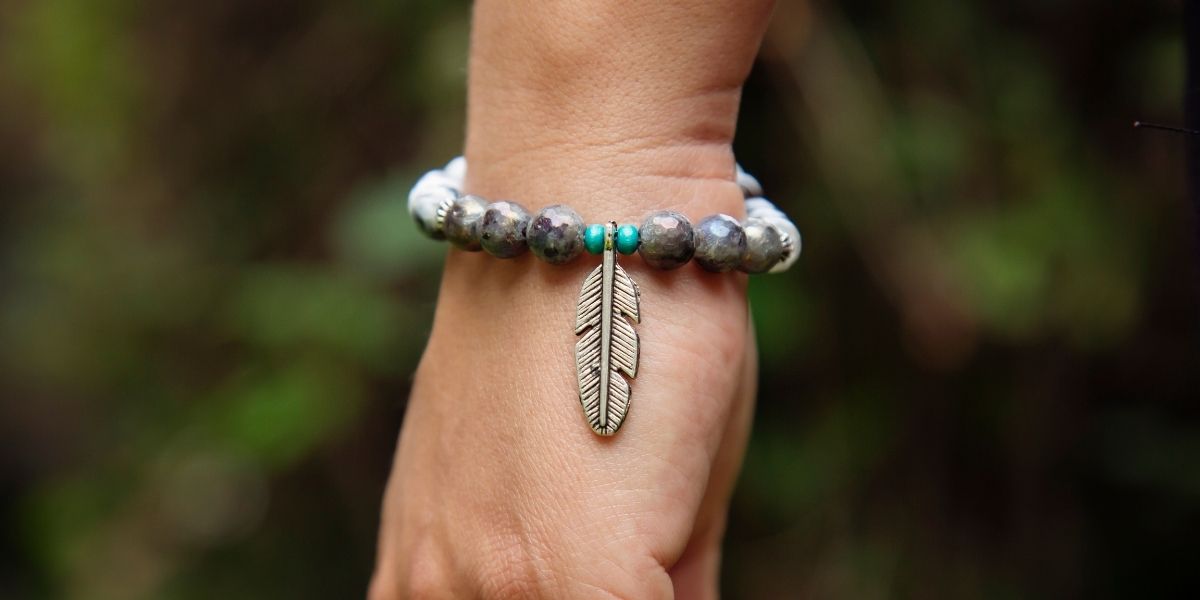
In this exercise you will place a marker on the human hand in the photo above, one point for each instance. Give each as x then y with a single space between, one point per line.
499 487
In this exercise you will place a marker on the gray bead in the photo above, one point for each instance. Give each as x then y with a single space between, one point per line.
462 222
555 234
666 240
764 246
502 229
719 243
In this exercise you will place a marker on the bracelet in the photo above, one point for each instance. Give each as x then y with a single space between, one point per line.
767 241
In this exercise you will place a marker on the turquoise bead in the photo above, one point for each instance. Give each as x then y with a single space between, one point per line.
627 239
593 239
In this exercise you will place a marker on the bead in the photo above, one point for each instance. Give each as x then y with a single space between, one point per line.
462 222
433 191
555 234
437 206
792 244
719 243
502 229
593 238
424 210
627 239
764 246
456 170
667 240
749 185
761 208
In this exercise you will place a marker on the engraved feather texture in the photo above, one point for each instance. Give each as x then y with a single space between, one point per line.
609 345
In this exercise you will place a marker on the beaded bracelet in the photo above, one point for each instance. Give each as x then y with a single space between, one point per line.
766 241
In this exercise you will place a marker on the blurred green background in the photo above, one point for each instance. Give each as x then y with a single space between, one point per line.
978 382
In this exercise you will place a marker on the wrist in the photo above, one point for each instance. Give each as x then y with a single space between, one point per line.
604 163
611 107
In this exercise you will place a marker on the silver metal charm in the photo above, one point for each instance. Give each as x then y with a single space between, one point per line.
610 345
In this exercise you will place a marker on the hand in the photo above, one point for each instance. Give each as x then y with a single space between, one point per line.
499 488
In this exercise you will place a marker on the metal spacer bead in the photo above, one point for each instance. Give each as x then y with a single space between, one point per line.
789 236
443 209
786 241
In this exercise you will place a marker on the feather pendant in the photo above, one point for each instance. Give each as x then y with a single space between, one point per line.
609 345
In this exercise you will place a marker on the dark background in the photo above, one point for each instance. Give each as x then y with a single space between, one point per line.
978 382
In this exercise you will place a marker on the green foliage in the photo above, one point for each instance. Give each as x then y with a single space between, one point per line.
975 382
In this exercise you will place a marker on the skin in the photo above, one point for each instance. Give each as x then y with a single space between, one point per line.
499 489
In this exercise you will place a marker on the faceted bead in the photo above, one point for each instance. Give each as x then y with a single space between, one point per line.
627 239
667 241
593 238
764 246
720 243
462 222
555 234
502 229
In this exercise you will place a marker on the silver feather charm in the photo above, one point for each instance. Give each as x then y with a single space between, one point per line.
610 345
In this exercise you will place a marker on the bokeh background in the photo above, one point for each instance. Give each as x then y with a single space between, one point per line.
978 382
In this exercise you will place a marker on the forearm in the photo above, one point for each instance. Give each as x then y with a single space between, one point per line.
612 104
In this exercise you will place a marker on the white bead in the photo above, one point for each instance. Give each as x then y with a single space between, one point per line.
456 170
425 206
750 186
761 208
431 188
786 227
430 192
758 205
433 182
